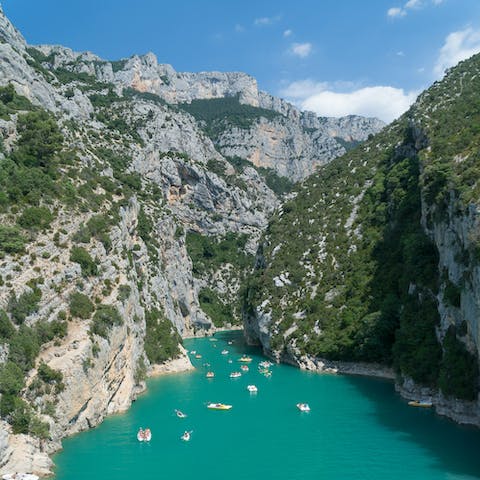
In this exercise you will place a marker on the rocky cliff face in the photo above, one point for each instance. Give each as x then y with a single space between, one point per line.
125 222
375 258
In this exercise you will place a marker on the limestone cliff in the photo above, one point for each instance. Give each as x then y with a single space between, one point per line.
375 257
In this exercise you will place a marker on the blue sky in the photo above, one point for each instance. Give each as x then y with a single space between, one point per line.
335 57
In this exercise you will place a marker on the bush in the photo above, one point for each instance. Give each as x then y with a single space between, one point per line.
40 139
459 369
81 306
452 294
7 330
24 348
49 375
47 331
82 257
11 379
123 292
25 305
36 218
161 338
11 240
105 317
220 313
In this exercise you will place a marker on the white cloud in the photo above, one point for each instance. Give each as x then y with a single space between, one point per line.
384 102
400 53
301 50
458 46
263 21
287 33
239 28
396 12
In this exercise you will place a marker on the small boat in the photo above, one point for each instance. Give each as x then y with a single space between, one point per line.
252 388
210 374
235 374
144 435
230 361
265 364
420 403
180 414
303 407
244 368
218 406
198 355
224 352
193 352
186 436
245 358
230 342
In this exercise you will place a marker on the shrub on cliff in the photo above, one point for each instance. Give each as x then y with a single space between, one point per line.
80 306
104 319
82 257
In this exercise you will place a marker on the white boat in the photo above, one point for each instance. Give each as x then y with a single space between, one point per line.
144 435
224 352
180 414
244 368
218 406
210 374
303 407
245 358
265 364
186 436
252 388
235 374
230 361
193 352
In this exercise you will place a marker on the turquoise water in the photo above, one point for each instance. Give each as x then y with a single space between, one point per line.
358 428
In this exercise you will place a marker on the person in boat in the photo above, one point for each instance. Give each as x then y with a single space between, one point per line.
141 433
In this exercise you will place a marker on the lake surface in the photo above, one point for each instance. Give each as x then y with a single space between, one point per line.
358 428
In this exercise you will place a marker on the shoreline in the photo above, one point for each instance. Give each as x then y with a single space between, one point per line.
462 412
211 333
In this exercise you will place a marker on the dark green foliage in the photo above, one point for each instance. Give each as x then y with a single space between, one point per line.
104 319
49 375
208 254
347 145
101 100
11 102
21 417
11 240
279 185
40 139
144 226
24 305
82 257
97 226
220 313
452 294
161 338
459 369
24 348
48 331
11 379
118 65
35 218
7 330
219 114
147 96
